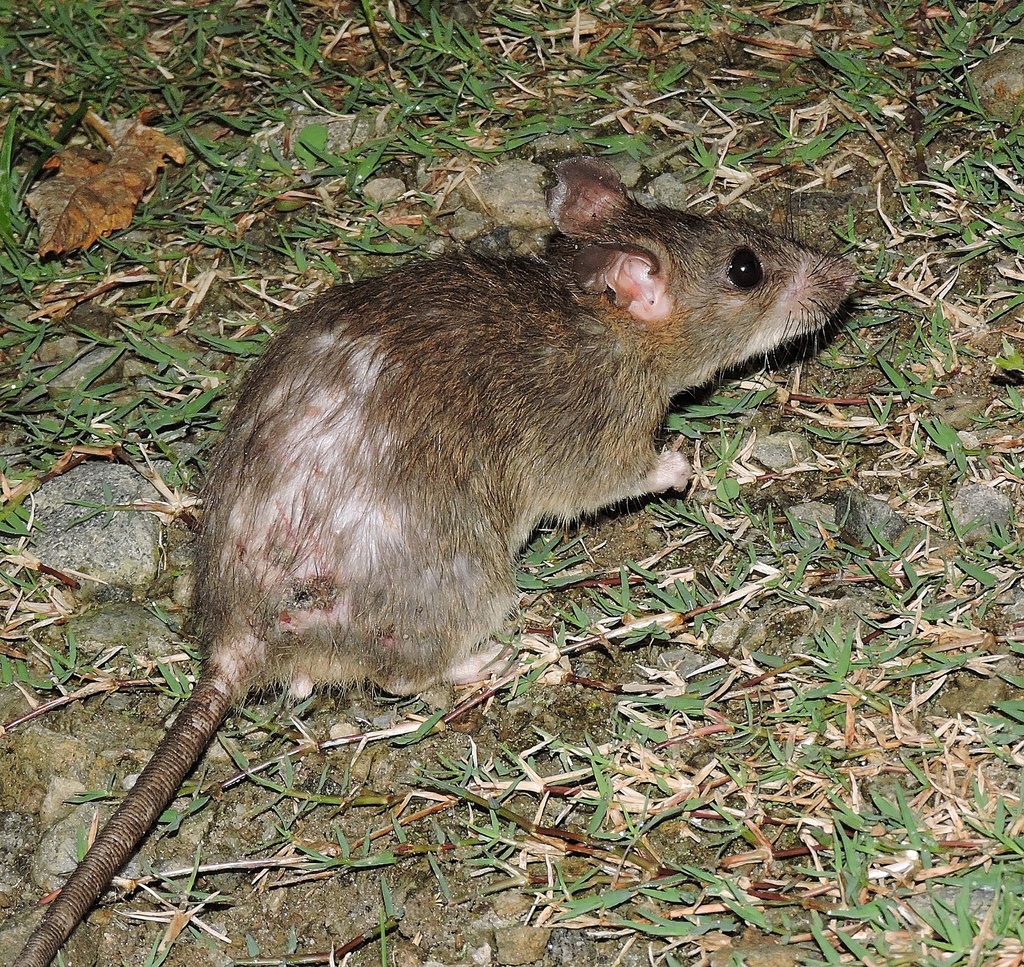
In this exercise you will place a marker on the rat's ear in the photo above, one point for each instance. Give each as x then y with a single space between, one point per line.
631 274
587 194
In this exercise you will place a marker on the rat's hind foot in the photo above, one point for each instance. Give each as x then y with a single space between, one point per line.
671 472
477 666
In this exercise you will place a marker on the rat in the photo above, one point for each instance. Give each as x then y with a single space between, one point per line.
403 436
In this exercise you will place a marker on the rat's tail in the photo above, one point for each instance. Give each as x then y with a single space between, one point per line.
175 756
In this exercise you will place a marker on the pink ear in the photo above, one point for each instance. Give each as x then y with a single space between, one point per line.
633 276
587 194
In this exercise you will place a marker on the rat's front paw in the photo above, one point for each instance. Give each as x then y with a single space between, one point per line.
671 472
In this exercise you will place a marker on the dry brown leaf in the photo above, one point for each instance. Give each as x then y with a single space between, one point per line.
95 193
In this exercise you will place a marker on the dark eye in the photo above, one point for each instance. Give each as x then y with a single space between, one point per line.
744 269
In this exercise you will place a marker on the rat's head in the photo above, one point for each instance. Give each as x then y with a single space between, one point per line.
705 293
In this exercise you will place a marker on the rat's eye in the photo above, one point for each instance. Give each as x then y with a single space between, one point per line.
744 269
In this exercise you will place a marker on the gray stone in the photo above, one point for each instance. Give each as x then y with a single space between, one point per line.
343 133
44 753
812 513
124 623
1013 604
735 633
630 170
780 451
978 510
670 190
999 80
518 944
511 193
80 372
561 145
14 840
14 932
55 804
863 520
83 525
380 191
465 225
57 854
683 661
980 899
55 350
481 955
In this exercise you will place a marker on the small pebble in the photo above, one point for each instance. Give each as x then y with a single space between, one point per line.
380 191
978 511
512 193
999 80
813 515
518 945
780 451
731 635
863 519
